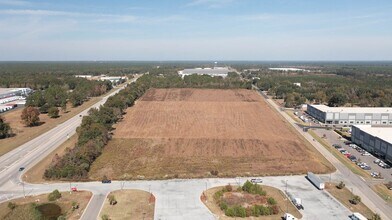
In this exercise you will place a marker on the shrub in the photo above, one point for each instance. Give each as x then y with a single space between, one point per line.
214 172
61 217
274 209
341 185
240 211
355 200
271 201
223 205
230 212
11 205
105 217
112 200
75 205
376 217
218 195
54 195
253 188
228 188
53 112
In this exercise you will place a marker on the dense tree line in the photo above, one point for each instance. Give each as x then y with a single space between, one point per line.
94 132
74 90
333 90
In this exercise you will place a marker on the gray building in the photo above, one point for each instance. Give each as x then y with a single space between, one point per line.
374 139
351 115
216 71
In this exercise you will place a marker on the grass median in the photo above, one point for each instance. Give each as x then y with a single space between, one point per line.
344 196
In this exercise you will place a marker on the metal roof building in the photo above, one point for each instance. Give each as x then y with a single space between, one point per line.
351 115
375 139
217 71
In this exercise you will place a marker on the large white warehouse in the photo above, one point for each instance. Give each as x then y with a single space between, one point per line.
351 115
375 139
216 71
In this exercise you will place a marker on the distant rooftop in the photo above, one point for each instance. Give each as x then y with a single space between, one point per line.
216 70
384 133
289 69
325 108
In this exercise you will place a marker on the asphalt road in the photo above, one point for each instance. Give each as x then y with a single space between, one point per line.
30 153
358 184
176 199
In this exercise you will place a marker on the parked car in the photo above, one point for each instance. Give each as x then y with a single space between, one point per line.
367 167
106 181
21 169
256 180
377 161
336 146
365 154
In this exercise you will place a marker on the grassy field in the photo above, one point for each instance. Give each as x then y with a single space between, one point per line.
383 192
131 204
36 173
352 166
282 201
344 195
188 133
65 202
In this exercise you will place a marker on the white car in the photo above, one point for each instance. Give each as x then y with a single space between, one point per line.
256 180
365 154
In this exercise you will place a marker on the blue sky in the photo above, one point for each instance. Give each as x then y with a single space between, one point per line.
196 30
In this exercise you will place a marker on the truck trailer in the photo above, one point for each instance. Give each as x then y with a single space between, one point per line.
316 180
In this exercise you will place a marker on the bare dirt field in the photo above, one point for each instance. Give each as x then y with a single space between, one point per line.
131 204
188 133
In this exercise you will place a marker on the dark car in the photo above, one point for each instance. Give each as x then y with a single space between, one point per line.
106 181
21 168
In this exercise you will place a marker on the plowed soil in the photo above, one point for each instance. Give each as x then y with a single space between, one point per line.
188 133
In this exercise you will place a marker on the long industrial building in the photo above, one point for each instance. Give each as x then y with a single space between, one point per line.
374 139
351 115
216 71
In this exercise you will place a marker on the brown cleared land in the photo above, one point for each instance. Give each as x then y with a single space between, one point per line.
131 205
189 132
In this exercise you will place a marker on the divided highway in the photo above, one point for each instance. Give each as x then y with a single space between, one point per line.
30 153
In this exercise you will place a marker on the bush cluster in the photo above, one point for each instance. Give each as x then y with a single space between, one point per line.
239 211
253 188
54 195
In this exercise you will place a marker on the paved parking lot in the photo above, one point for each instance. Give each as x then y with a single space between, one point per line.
333 138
